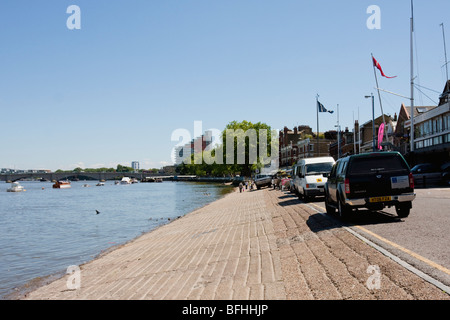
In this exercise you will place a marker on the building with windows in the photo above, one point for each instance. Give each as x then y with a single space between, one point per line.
403 127
135 165
431 131
365 142
301 143
199 144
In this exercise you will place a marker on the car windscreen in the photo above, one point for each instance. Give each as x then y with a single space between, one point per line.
369 165
318 168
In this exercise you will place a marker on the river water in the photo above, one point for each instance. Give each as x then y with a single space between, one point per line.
43 230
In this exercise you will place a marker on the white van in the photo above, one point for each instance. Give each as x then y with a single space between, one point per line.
310 176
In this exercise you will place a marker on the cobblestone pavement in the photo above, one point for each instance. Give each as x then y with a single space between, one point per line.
253 245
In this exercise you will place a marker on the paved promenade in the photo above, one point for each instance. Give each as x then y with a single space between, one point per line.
254 245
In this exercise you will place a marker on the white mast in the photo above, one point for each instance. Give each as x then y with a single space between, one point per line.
445 52
412 79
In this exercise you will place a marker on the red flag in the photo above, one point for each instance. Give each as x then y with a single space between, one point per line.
376 64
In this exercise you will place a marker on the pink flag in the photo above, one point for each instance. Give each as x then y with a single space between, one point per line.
376 64
380 136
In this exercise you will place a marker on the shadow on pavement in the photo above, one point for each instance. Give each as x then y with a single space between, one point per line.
319 222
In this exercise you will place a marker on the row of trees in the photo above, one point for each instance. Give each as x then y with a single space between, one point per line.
247 156
251 149
119 168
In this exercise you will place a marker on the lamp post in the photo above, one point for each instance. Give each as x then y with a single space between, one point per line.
339 140
338 133
373 120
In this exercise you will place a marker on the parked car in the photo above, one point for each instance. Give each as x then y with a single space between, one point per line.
262 180
445 170
426 174
373 181
310 176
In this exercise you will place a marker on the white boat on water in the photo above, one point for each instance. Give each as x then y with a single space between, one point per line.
16 187
100 184
125 180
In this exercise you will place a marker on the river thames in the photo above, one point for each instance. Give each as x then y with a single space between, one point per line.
43 231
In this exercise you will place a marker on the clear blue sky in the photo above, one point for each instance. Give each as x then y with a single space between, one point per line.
114 91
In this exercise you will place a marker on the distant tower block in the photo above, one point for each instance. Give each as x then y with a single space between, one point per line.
135 165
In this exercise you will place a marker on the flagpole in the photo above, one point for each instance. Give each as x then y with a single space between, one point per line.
359 135
354 134
445 52
411 132
379 98
317 107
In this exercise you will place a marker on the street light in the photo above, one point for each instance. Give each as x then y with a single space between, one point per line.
373 120
339 140
338 133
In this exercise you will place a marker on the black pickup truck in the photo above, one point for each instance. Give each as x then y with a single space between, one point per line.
373 181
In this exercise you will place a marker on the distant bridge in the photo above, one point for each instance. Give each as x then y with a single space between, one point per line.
80 176
56 176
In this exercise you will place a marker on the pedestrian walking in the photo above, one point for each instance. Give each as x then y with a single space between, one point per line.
240 186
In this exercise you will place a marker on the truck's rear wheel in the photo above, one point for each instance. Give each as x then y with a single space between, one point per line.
343 210
330 210
403 210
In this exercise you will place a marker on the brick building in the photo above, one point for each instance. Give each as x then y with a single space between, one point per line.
301 143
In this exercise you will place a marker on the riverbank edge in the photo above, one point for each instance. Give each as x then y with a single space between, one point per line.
22 291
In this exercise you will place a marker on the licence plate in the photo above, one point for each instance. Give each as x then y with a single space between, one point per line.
380 199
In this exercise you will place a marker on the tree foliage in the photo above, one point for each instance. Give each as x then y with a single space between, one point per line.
242 157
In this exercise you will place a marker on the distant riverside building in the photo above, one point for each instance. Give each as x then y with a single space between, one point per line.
301 142
431 131
196 145
135 165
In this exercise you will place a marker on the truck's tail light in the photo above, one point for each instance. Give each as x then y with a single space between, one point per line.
347 186
411 181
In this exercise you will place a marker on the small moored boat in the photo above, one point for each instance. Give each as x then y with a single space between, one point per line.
62 184
16 187
125 180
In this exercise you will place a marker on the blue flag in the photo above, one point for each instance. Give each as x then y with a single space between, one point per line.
322 108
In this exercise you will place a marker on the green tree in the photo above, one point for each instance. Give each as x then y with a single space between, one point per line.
77 170
121 168
243 155
246 149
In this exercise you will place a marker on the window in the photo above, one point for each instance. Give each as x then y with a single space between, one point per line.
333 171
447 122
421 110
427 128
447 137
437 140
311 147
340 167
317 168
368 165
437 124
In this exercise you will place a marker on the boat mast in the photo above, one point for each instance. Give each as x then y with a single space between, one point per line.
445 52
412 79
